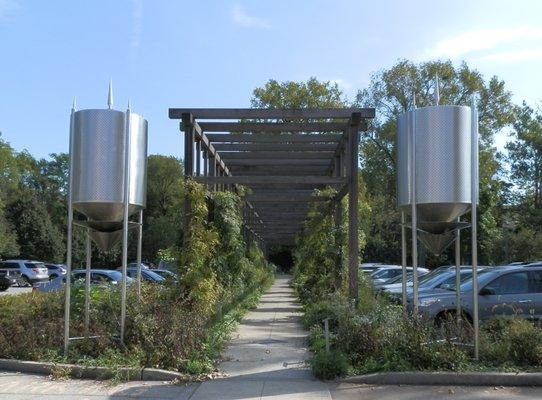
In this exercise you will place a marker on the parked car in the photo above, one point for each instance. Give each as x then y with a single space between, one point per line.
31 271
8 277
504 290
97 277
55 270
146 275
387 272
134 265
369 268
441 277
165 273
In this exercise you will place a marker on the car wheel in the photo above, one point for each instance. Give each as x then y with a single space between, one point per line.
4 285
24 281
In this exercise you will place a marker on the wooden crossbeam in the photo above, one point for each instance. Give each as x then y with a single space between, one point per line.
270 113
255 147
282 198
288 180
273 127
274 138
293 155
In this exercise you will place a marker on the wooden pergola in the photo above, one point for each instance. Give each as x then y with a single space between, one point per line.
281 155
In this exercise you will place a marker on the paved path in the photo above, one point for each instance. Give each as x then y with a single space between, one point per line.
265 360
15 290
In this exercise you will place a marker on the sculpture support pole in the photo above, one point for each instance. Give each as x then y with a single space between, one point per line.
69 243
127 144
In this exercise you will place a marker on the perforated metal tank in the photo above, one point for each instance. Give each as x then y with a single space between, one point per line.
443 162
98 164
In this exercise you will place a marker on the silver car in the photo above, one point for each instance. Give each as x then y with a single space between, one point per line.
505 290
386 272
31 271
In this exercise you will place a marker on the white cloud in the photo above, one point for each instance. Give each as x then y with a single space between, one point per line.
481 40
344 85
514 56
240 17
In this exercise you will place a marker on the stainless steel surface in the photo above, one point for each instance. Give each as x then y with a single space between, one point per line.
87 283
458 276
414 209
474 223
67 292
436 242
126 186
106 240
138 258
403 262
443 164
98 163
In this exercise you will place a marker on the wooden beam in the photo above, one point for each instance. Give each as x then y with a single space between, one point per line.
323 162
323 155
289 180
271 113
282 198
353 234
274 138
278 170
276 127
250 147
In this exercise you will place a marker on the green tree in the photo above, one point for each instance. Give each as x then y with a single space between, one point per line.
37 237
525 155
162 227
310 94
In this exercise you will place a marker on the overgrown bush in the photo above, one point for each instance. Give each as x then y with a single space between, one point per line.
180 326
511 341
330 365
375 335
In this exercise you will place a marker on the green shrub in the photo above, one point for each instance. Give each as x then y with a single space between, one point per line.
176 326
330 365
509 341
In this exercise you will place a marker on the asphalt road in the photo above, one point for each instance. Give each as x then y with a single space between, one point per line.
15 290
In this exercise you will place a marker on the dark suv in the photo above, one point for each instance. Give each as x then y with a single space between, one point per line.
505 290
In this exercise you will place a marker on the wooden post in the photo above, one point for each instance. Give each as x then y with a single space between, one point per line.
353 245
337 172
189 134
198 157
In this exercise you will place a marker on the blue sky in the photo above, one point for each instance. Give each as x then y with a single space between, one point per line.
214 53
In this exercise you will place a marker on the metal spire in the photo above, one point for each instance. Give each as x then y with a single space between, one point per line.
110 95
413 99
74 105
129 106
437 92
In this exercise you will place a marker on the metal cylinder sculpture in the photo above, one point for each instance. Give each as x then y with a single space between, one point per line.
108 180
437 182
443 164
99 138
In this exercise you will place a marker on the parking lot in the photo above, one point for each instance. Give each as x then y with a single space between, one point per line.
15 290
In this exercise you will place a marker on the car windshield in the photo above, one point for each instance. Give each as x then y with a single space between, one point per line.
154 276
34 265
483 277
399 278
383 273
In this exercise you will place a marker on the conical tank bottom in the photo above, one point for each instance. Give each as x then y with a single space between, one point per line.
104 211
106 240
436 243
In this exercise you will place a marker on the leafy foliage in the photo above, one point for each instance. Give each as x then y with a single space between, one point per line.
179 326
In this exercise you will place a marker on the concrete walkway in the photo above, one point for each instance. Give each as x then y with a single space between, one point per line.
266 358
